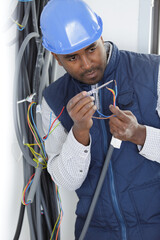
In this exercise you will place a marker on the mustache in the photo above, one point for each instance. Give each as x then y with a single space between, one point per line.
89 71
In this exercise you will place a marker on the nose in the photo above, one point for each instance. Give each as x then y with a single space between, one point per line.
85 62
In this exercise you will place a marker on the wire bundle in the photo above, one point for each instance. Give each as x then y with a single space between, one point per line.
40 143
59 219
34 70
37 139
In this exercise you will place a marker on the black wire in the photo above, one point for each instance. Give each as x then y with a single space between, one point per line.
20 222
29 77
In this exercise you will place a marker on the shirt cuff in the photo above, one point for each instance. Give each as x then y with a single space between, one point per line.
150 148
78 147
78 160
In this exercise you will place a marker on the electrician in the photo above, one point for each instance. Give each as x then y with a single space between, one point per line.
128 207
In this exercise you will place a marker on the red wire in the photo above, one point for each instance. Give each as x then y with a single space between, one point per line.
27 187
54 122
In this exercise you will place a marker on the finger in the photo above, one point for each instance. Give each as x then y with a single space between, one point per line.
84 103
119 113
85 109
73 101
82 106
118 123
79 101
116 131
88 114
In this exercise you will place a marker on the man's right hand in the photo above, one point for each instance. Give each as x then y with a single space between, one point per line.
81 109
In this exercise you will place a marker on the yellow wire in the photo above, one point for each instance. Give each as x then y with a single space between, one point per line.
54 128
37 139
36 159
38 162
55 226
16 22
34 152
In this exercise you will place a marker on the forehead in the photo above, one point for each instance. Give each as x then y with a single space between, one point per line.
81 50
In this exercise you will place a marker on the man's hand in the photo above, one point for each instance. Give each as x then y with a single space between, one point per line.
81 109
124 126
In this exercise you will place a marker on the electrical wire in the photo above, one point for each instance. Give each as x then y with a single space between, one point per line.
32 75
20 222
114 93
97 192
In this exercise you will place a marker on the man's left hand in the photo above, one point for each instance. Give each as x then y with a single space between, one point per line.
124 126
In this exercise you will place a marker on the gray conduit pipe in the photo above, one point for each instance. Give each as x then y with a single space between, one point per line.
44 76
35 183
46 215
16 83
115 143
38 213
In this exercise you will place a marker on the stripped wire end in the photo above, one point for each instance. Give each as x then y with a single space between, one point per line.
19 26
114 93
27 99
89 93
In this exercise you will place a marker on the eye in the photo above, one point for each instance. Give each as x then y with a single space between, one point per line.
92 49
71 59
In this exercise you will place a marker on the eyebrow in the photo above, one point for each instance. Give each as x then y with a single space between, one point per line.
92 45
69 56
72 55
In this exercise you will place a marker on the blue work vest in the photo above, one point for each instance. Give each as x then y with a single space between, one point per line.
128 207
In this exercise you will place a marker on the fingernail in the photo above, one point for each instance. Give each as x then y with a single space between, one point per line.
92 98
84 93
94 107
91 103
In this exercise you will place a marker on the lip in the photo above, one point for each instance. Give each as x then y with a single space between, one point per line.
91 74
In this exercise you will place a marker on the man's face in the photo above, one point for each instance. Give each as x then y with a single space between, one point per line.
86 65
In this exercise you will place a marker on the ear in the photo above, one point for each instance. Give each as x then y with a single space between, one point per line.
102 39
57 58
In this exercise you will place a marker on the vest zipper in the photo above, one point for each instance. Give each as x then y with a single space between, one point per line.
112 188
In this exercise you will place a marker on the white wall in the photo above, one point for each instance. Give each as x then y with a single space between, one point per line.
120 20
121 25
11 176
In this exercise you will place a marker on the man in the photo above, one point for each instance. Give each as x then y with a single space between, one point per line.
128 207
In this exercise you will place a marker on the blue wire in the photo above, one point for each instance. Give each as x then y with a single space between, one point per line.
102 114
116 92
20 29
27 190
37 131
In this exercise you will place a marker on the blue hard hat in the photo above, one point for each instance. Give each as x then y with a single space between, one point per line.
68 26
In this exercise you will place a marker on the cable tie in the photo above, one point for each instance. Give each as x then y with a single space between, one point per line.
38 108
27 99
